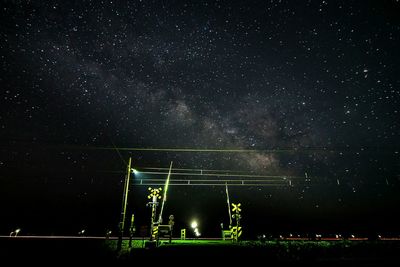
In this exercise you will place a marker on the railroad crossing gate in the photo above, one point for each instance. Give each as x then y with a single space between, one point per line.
226 234
165 231
183 234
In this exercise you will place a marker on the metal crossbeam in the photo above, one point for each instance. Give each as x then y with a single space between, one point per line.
210 182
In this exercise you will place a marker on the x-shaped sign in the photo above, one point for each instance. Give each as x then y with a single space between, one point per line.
236 207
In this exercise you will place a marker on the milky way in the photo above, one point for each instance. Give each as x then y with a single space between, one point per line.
315 82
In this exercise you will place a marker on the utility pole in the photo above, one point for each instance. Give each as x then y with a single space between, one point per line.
123 208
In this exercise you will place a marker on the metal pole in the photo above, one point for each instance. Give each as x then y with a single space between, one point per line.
165 193
131 230
153 216
229 205
124 203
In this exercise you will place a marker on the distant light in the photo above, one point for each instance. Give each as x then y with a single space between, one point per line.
196 232
194 224
135 171
15 233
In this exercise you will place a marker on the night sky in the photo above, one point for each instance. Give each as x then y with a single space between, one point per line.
300 86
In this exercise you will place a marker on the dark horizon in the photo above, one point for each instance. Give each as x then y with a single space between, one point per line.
61 207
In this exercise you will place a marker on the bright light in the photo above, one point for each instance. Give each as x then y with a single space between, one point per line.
197 234
135 171
194 224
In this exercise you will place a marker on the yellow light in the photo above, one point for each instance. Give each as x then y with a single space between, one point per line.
194 224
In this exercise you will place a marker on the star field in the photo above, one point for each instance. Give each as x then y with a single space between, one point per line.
315 81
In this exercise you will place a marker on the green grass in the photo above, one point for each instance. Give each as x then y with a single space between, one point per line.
136 244
274 250
196 242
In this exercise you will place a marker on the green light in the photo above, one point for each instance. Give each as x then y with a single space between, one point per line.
135 171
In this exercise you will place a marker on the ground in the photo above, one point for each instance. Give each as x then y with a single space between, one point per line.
95 250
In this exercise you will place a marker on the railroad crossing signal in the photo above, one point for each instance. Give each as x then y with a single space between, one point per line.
154 192
236 232
154 233
236 207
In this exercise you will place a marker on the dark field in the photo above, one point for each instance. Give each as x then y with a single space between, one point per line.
100 251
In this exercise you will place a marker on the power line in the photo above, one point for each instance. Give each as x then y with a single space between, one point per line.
221 175
188 169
